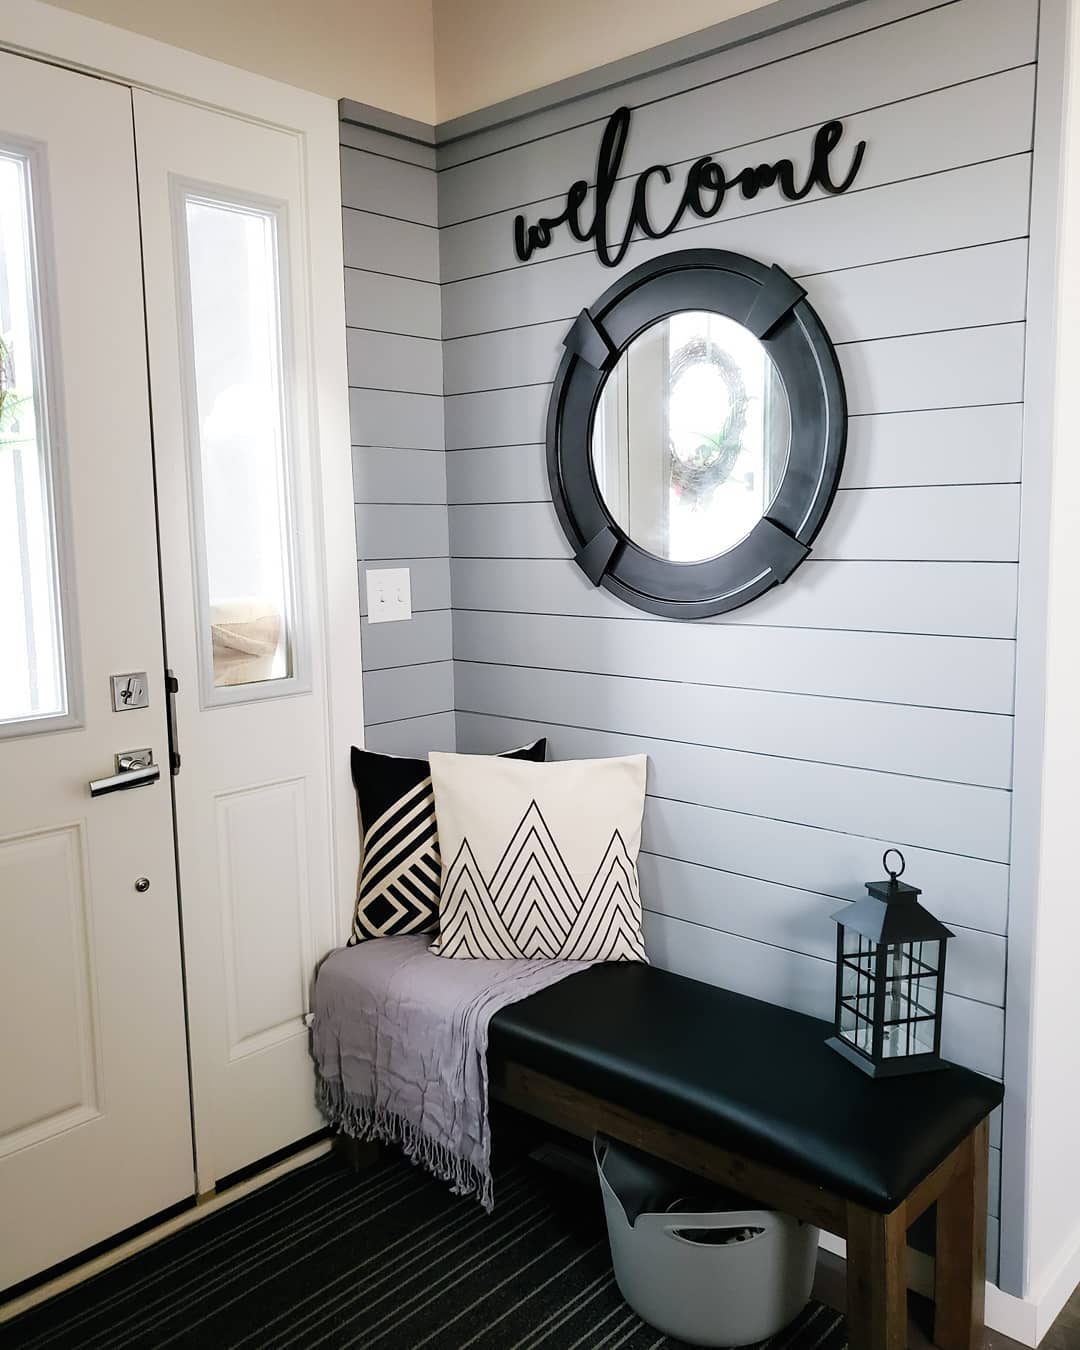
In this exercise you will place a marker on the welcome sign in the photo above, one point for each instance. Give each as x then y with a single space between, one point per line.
706 190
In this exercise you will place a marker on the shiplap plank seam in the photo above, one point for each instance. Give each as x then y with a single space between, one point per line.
565 321
397 276
960 329
390 332
894 412
682 682
390 159
746 623
788 886
771 627
390 389
416 665
795 951
803 276
386 215
391 721
773 756
907 776
932 671
796 887
728 810
386 145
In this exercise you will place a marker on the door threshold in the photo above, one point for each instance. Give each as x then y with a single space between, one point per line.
213 1201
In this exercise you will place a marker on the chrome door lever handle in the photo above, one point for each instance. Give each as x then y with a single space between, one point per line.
134 768
127 778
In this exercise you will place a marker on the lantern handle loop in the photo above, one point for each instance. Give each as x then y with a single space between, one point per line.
885 863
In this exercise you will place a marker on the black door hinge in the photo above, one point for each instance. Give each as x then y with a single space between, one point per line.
172 685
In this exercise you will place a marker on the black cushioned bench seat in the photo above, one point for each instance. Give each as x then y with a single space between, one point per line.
742 1074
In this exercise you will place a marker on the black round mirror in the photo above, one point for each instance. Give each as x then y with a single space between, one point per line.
696 433
691 436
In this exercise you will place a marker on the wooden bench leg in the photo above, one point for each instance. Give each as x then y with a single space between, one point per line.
357 1155
960 1262
876 1279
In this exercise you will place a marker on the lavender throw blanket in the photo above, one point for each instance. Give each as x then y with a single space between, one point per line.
400 1045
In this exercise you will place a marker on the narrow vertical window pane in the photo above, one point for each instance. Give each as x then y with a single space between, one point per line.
32 677
237 341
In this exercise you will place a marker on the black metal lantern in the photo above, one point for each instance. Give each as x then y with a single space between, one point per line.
890 977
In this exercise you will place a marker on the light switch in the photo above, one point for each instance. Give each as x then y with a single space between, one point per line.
389 595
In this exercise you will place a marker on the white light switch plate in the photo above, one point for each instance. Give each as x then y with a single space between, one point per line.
389 595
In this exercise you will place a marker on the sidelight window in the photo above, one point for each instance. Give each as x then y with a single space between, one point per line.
239 445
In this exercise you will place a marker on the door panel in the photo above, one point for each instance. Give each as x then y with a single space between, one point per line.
261 834
53 1077
227 312
95 1130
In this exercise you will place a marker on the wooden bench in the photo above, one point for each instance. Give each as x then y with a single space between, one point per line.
748 1095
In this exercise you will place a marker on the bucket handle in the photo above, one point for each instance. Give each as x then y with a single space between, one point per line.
673 1225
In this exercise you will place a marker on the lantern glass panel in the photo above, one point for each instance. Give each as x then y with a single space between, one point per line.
857 992
856 946
856 1024
911 974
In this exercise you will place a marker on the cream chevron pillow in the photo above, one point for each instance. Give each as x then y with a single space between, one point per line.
539 860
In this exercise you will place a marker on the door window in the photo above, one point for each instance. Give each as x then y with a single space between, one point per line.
33 679
239 446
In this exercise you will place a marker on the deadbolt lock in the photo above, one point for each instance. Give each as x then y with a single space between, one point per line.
129 691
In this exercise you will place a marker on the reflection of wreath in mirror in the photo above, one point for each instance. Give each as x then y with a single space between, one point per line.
696 476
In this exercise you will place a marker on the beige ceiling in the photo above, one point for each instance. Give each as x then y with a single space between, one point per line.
488 50
428 59
376 51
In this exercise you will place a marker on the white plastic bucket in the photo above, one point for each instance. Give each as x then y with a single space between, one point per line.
722 1278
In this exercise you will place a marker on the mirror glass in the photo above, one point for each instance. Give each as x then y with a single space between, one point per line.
691 436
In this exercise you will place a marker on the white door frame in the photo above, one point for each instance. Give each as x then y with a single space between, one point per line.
35 29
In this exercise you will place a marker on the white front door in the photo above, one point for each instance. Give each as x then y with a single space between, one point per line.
228 320
95 1131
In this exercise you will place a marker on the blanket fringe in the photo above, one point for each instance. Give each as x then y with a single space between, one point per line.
360 1120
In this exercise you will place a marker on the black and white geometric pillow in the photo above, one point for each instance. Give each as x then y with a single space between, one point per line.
540 859
397 890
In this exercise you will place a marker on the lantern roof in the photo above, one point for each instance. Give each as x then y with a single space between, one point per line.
893 919
890 913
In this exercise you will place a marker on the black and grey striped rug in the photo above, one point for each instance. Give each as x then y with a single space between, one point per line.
387 1260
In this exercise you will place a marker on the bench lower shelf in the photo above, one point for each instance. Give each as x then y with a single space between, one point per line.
876 1242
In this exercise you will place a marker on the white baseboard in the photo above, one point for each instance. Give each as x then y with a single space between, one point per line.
1057 1290
829 1243
1015 1317
1027 1320
1023 1319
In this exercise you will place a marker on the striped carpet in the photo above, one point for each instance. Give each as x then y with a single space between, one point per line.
387 1260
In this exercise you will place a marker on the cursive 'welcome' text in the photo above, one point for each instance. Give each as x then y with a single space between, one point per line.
707 186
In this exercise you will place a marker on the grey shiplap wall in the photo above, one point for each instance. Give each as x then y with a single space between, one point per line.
869 701
389 223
